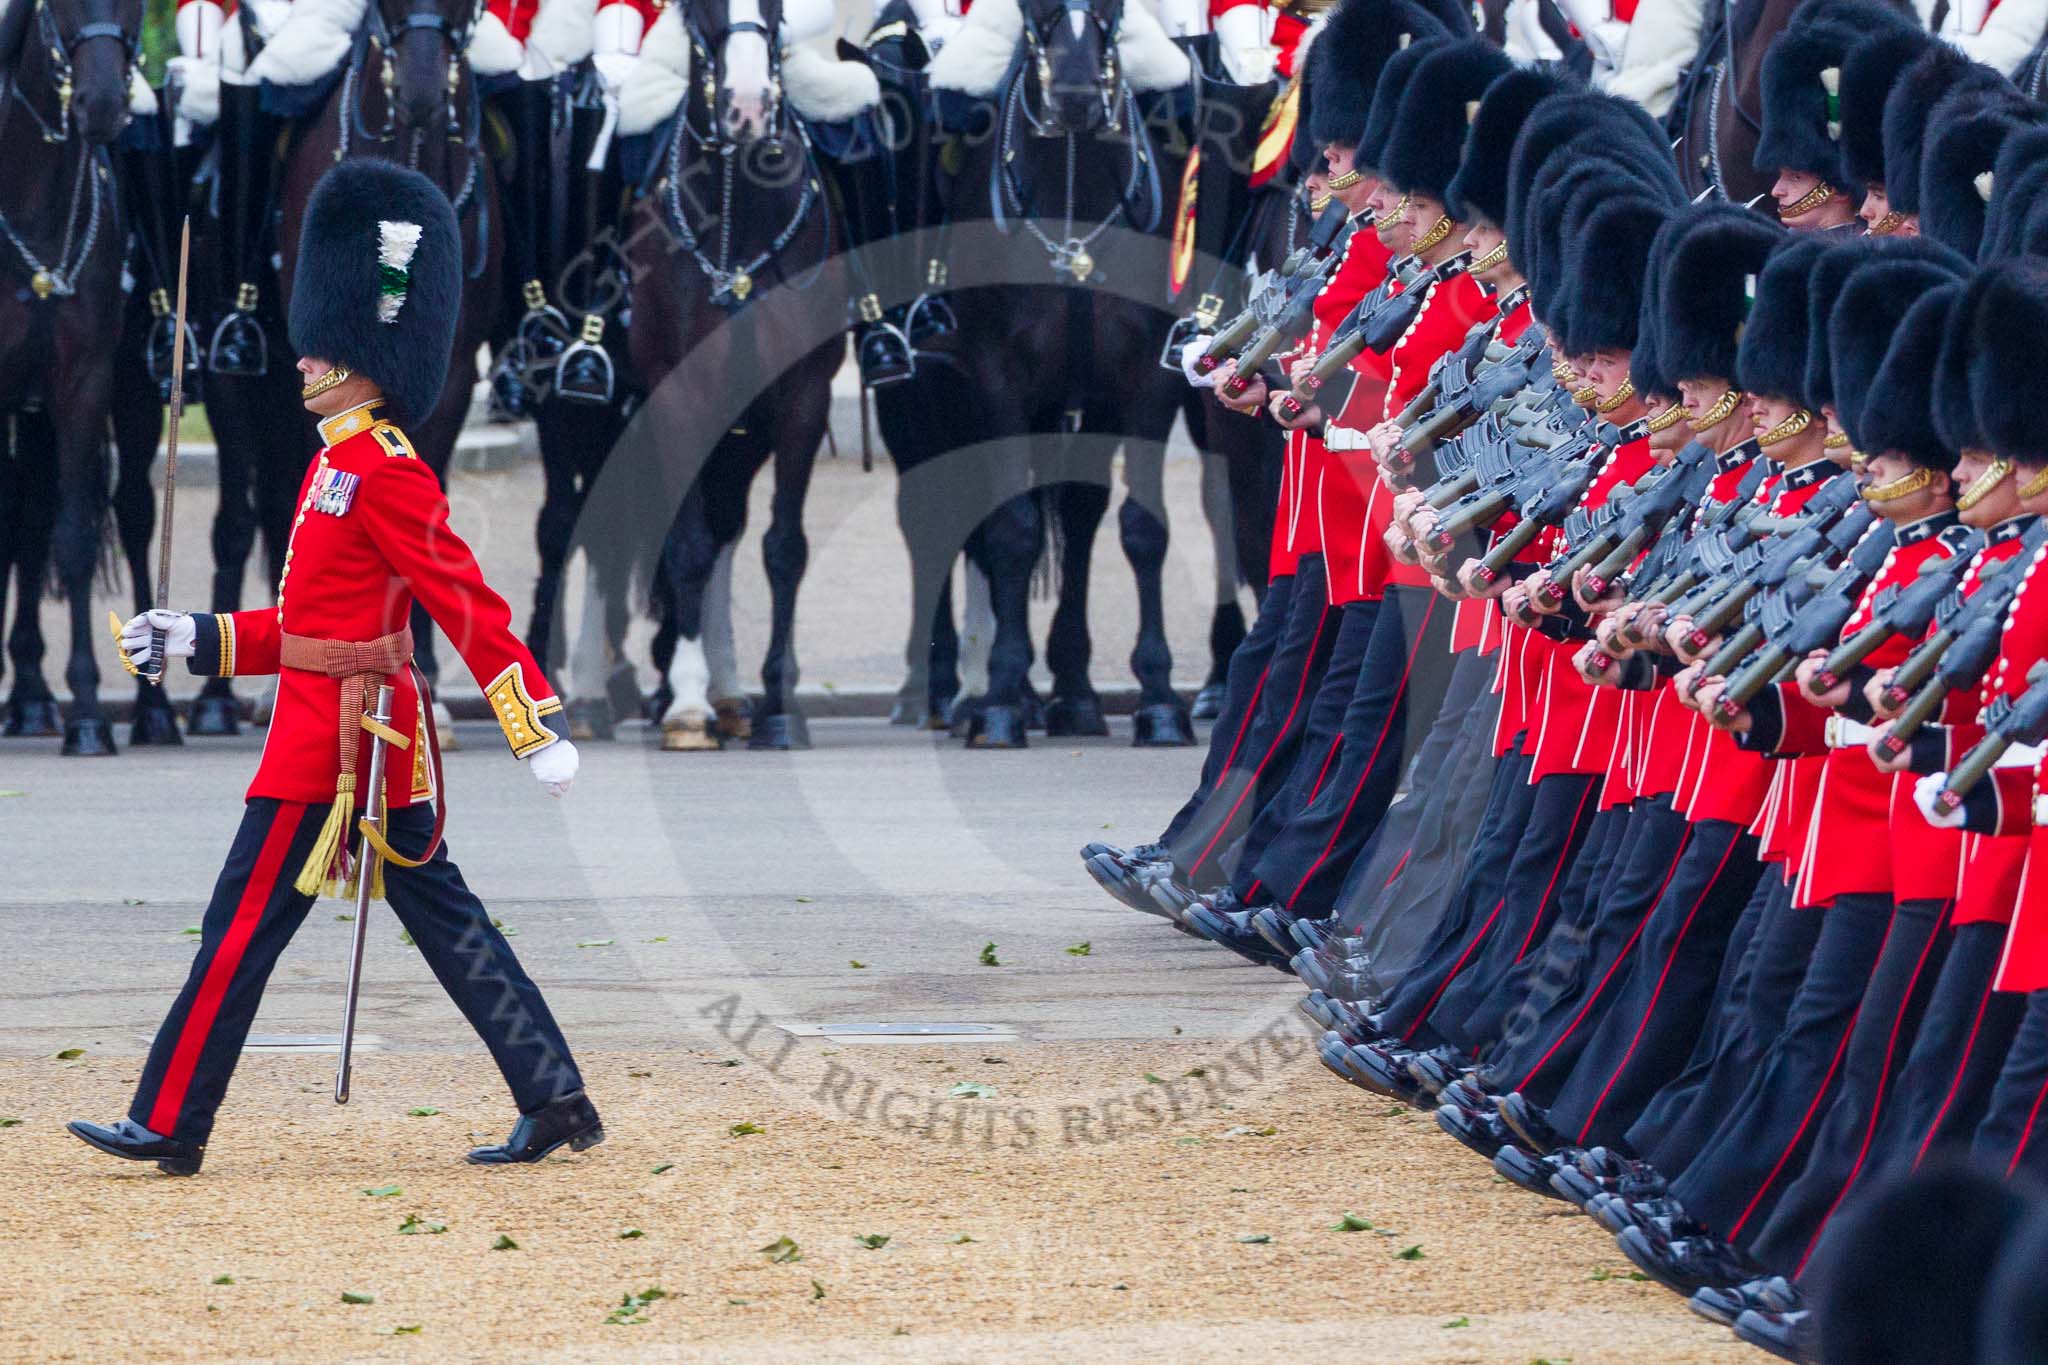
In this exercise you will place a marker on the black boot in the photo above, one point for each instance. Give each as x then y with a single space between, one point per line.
130 1141
248 142
571 1120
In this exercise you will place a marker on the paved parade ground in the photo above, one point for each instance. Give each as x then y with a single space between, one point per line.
1126 1150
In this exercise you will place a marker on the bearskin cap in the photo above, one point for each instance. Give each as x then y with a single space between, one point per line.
1604 267
1347 59
1708 277
1866 324
1771 359
1869 70
1937 73
2005 326
1437 103
1479 191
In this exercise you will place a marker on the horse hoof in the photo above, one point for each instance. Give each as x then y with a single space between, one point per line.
1161 725
1208 702
657 702
735 719
590 718
1070 716
33 718
622 690
997 727
910 711
942 713
154 725
89 737
782 730
214 716
1034 713
688 735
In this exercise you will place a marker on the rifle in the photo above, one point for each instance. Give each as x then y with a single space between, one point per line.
1759 567
1312 262
1899 610
1996 585
1794 630
1959 664
2007 721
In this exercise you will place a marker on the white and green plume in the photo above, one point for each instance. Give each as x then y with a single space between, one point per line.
396 243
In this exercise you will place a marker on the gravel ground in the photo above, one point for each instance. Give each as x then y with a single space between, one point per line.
1066 1241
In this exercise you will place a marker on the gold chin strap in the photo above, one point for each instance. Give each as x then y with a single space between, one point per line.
1723 407
1887 225
1316 205
1786 430
1981 486
1808 202
1393 217
1436 234
1586 397
1834 440
1497 256
1621 395
2036 486
1905 486
338 375
1665 420
1346 180
1561 370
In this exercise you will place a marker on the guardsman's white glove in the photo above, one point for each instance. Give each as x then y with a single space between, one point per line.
180 636
1925 791
1190 355
554 766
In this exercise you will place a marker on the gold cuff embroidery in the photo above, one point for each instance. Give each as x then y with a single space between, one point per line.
224 626
519 715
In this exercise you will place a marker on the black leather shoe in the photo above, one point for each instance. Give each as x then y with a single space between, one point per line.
1479 1129
1530 1122
1125 878
1724 1303
1326 933
1576 1187
1666 1215
1466 1092
1785 1335
1355 1024
884 356
1233 930
1171 897
130 1141
1686 1264
570 1121
1274 925
1320 1008
1523 1167
1438 1067
1381 1068
1353 979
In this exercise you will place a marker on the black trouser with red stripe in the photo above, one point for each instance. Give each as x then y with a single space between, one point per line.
1264 755
1666 995
1763 1142
1566 805
1887 1023
1244 683
253 914
1564 989
2014 1134
1400 684
1316 754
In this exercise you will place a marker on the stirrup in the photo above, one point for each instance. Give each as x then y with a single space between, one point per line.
163 334
584 373
1183 331
545 331
517 386
239 346
884 355
929 317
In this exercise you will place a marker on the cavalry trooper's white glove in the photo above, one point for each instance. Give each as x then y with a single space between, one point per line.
1925 791
179 636
554 767
1190 354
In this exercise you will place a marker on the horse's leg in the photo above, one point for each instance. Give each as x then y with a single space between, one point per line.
944 687
138 419
1161 718
1007 545
278 467
728 694
1075 709
1226 623
686 561
81 493
785 552
589 664
552 528
31 706
214 710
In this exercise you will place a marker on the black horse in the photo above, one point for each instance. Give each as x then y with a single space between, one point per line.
1060 374
64 98
733 241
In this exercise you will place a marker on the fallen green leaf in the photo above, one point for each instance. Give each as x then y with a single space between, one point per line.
630 1234
345 919
1351 1222
1638 1275
1081 950
630 1312
803 900
1257 1239
10 1123
423 1112
1154 1078
71 1054
1601 1274
961 1240
13 793
817 1290
595 943
1458 1322
414 1225
383 1191
782 1250
350 1296
856 964
730 1061
409 1329
664 1166
192 931
659 938
873 1241
1408 1254
642 1075
405 938
988 955
1193 1072
973 1090
132 900
504 1243
1187 1142
1246 1130
745 1129
223 1279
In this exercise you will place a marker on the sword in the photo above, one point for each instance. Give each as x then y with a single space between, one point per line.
155 672
366 871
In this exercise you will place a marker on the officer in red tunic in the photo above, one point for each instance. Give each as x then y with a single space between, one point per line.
373 314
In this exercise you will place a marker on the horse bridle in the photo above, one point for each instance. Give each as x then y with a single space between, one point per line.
454 40
61 48
1109 84
710 58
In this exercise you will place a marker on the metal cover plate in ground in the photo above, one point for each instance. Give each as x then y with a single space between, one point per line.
921 1032
308 1042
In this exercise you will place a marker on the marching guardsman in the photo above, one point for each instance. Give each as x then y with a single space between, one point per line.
1869 71
1800 144
373 315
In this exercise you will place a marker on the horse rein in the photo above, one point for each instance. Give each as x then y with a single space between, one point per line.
61 48
90 192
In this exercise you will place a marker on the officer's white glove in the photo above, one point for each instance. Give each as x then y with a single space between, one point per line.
1925 791
179 636
554 766
613 68
1194 350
